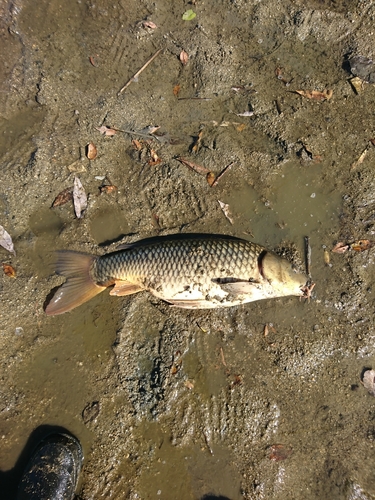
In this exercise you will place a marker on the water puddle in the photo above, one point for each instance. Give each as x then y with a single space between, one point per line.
299 204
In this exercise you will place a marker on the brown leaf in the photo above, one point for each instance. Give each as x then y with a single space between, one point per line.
137 145
316 94
184 57
108 189
90 412
155 160
211 178
93 62
279 452
361 245
9 270
197 168
107 131
176 90
197 142
64 197
340 247
91 151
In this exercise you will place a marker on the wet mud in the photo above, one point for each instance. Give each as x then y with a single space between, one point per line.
173 403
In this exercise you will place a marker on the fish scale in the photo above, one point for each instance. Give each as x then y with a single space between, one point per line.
171 260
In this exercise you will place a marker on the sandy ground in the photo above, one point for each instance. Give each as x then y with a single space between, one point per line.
170 403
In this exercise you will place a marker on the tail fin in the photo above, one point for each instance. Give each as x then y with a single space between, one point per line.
79 286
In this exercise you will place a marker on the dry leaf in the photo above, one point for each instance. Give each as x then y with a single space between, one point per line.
108 189
91 151
176 90
316 94
93 62
197 142
361 245
360 160
6 241
137 145
357 84
90 412
211 178
149 24
240 127
79 198
225 208
340 247
107 131
246 113
279 452
184 57
155 160
151 129
9 270
197 168
63 197
189 384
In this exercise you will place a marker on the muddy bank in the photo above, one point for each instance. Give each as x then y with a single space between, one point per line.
190 403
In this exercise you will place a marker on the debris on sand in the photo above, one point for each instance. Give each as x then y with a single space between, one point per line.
91 151
315 94
368 381
189 15
9 270
79 198
63 197
184 57
226 211
6 241
136 75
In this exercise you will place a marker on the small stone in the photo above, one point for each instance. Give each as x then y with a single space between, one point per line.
368 381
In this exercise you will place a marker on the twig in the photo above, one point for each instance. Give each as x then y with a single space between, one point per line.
222 356
221 174
132 132
134 77
308 255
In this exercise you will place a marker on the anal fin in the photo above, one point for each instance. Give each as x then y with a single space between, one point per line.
125 288
190 304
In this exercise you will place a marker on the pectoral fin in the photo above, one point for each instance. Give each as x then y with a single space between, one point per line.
125 288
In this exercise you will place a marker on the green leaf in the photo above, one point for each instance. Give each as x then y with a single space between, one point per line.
188 15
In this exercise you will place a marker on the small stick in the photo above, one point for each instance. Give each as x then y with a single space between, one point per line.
222 356
195 99
308 255
138 72
132 132
221 174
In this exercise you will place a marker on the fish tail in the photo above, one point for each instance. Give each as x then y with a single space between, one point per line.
79 286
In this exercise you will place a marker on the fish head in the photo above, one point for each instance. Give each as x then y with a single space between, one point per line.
282 276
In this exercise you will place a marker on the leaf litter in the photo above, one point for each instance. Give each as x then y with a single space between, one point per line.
79 198
6 241
9 270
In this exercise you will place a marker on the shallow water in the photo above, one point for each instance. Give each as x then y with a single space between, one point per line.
190 402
